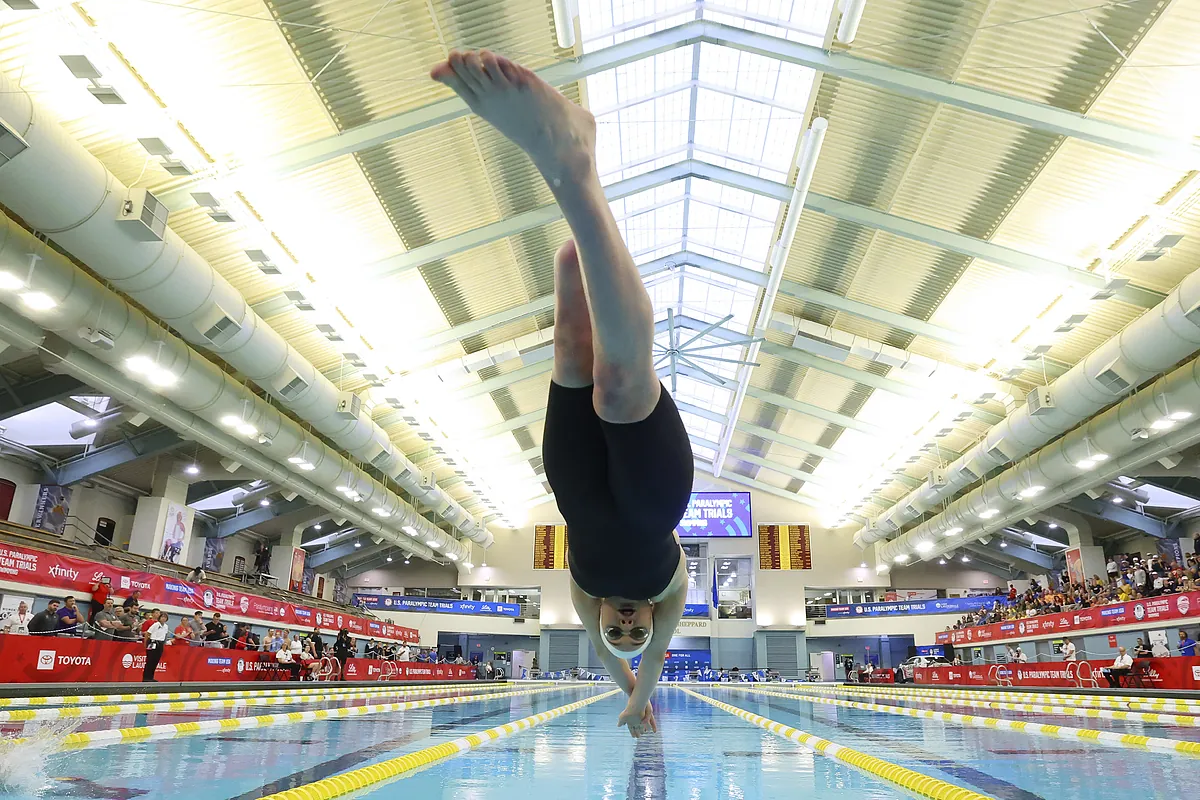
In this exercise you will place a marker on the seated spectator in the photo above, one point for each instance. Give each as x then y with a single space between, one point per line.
284 657
45 622
69 618
105 621
18 623
1187 645
1141 649
1119 668
197 575
182 633
215 634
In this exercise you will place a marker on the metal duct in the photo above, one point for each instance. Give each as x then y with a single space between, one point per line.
199 394
1167 412
59 189
1154 342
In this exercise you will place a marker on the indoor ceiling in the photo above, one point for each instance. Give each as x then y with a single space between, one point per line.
413 246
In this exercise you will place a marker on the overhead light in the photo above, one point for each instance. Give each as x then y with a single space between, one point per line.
1180 416
162 378
317 527
966 559
954 531
1116 501
409 529
381 512
10 282
452 556
358 544
406 559
924 547
1004 544
432 542
1098 457
1032 491
343 489
989 513
264 502
901 558
863 565
231 420
1052 525
942 561
192 469
1162 424
468 565
38 301
302 463
247 430
881 568
389 559
1086 463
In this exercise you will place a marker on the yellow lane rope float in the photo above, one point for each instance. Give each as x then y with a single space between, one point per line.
127 735
1062 698
1058 731
359 779
916 782
315 688
1028 708
80 712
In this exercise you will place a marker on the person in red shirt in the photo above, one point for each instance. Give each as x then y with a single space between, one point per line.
150 619
183 633
100 590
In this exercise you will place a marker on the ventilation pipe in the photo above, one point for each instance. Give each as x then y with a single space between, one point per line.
565 12
190 391
1161 419
59 189
852 11
1154 342
806 165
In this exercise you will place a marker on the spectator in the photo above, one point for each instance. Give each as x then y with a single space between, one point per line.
1111 568
69 618
317 643
1068 650
1141 649
197 626
1119 668
197 575
127 622
284 657
239 636
343 647
183 633
154 636
100 590
105 621
18 623
274 641
45 622
252 640
134 599
1187 645
214 632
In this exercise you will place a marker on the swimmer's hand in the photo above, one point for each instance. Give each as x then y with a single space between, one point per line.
639 723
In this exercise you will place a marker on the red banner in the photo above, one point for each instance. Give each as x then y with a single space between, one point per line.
366 669
1160 673
51 570
49 659
1134 612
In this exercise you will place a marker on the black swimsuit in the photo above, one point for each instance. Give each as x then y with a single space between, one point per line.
622 489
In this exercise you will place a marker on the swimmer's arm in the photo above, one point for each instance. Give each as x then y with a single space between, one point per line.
667 613
588 609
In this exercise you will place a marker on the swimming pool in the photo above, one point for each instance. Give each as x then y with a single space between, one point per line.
706 748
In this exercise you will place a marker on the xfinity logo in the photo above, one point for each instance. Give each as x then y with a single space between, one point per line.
63 572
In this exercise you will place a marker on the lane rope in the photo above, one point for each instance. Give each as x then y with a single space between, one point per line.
1063 698
393 768
1057 731
1182 720
89 712
916 782
127 735
138 697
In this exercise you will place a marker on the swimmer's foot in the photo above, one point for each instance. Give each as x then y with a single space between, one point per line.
559 136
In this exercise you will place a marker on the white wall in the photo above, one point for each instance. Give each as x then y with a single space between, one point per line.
89 503
430 625
922 627
929 575
420 574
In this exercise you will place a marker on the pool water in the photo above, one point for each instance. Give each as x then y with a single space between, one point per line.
700 752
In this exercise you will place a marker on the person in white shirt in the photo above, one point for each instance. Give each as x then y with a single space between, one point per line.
155 639
1068 650
1019 656
18 623
1120 667
287 656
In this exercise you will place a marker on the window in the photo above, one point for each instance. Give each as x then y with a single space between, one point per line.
733 587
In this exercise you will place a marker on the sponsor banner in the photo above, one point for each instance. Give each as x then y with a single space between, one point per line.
52 507
878 676
1075 571
70 574
369 669
693 626
696 610
931 650
389 602
44 659
716 514
1161 673
942 605
1134 612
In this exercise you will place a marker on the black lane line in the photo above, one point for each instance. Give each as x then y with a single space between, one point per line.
82 787
344 762
990 784
648 772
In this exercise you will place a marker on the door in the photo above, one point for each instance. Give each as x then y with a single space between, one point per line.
7 490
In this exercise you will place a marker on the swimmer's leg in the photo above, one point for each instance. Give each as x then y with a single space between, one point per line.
573 359
560 138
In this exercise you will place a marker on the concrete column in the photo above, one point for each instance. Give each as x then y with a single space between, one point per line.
297 534
283 557
162 523
1079 534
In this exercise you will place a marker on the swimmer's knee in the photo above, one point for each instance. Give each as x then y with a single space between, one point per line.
624 394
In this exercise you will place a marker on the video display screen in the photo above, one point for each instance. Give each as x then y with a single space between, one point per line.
716 515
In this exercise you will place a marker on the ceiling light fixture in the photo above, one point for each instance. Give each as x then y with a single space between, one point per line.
358 544
901 558
1032 491
954 531
942 561
389 559
966 559
1116 501
381 512
192 469
1052 525
264 502
988 513
1180 416
317 527
452 556
1004 544
10 282
924 547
